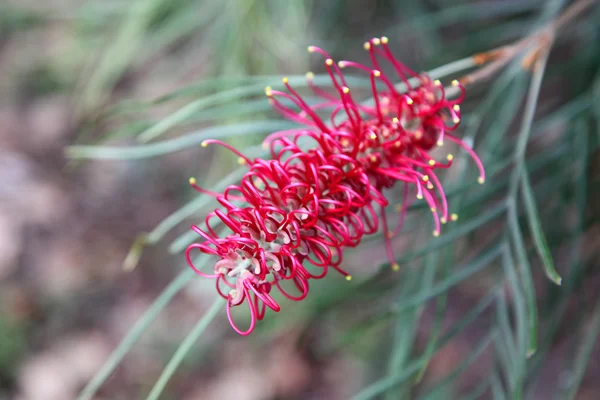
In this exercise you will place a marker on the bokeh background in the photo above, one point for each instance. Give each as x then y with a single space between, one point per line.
89 237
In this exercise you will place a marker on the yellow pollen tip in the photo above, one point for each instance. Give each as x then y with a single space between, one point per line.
433 209
345 142
204 144
346 90
440 143
450 157
329 62
420 196
436 233
425 178
377 73
265 145
437 82
480 180
341 64
367 45
310 75
429 185
373 158
453 216
376 41
395 267
192 181
397 144
443 220
348 277
409 101
285 80
373 136
432 162
455 83
456 120
395 120
384 39
241 161
269 91
311 49
456 107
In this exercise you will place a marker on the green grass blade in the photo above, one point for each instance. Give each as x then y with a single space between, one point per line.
184 348
535 226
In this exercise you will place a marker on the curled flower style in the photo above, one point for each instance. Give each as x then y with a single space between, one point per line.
292 216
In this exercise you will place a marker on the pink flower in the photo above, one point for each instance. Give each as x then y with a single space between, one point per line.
292 216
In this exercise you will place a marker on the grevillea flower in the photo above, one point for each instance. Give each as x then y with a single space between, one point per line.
292 216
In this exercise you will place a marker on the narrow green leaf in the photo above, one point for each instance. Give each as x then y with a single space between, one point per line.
388 382
189 110
497 389
478 391
462 367
536 229
521 322
585 353
505 342
526 277
135 333
178 144
407 322
454 279
184 348
450 237
119 53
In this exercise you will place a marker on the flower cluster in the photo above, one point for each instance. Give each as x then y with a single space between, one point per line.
292 216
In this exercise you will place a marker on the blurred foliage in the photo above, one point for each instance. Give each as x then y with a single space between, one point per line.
533 222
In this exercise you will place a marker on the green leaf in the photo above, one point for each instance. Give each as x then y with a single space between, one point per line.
388 382
462 367
536 229
407 322
521 322
173 145
454 279
584 353
184 348
135 333
450 237
526 277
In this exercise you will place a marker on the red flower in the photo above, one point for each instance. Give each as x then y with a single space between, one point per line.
292 216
